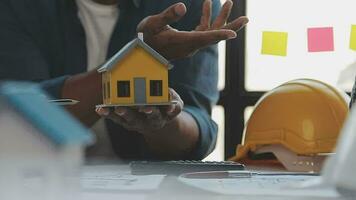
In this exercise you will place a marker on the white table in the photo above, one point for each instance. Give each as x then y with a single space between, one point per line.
169 188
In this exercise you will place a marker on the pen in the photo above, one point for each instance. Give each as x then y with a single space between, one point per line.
242 174
64 102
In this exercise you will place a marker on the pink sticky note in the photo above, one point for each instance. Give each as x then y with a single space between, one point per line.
321 39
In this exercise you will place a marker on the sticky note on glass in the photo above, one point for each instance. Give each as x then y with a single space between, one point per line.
353 38
274 43
321 39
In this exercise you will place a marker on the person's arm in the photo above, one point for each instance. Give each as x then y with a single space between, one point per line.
21 58
195 79
86 88
176 140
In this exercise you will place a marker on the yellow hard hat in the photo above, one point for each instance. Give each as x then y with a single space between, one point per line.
305 116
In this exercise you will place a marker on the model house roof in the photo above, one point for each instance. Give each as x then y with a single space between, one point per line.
127 49
52 121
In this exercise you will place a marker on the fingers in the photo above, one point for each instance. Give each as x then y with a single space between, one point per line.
102 111
170 15
149 110
174 109
206 16
105 112
152 114
129 118
211 37
126 113
154 120
154 24
143 120
185 43
146 109
223 15
199 39
237 24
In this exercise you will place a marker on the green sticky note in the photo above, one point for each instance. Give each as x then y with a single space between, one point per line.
274 43
353 38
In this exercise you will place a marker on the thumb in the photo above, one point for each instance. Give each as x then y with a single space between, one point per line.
156 23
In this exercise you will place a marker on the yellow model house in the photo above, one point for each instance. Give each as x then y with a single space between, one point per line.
136 75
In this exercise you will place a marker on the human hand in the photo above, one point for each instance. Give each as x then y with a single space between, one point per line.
174 44
144 119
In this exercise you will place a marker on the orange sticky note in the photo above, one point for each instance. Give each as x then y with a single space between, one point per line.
353 38
274 43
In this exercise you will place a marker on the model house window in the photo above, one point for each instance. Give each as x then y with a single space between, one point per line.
108 87
156 88
123 88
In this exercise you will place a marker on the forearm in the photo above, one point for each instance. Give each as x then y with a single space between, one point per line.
86 88
177 139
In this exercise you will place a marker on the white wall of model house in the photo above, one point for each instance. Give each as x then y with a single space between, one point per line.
32 166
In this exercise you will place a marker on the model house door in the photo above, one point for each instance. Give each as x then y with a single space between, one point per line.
140 90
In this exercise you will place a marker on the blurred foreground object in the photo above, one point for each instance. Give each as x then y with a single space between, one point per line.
41 146
339 170
298 122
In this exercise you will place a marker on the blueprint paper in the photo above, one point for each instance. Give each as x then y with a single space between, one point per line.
260 185
114 179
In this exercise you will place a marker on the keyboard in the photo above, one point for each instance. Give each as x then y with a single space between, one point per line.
181 167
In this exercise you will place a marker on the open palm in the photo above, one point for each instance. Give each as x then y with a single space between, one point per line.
174 44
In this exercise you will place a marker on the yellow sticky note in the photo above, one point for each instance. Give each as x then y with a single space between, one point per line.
274 43
353 38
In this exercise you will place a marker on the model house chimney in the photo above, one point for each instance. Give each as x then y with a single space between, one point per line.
140 36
